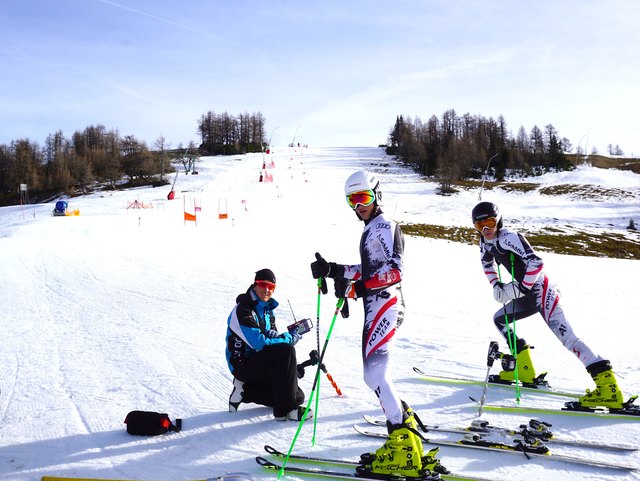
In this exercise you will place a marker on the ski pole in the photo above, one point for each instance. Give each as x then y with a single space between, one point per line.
511 337
313 390
513 348
515 338
321 282
322 285
493 349
313 361
330 378
316 385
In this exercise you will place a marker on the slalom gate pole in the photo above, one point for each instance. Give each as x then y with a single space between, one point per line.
313 389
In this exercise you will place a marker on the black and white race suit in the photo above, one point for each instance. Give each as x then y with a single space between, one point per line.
381 257
512 250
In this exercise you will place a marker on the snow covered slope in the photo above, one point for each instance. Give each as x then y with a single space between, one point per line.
120 309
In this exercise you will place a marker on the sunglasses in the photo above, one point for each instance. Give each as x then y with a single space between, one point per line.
363 197
489 222
266 285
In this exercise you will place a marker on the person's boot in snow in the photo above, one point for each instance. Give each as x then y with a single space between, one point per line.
607 393
236 395
296 414
526 371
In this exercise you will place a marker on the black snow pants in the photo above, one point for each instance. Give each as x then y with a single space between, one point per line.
271 379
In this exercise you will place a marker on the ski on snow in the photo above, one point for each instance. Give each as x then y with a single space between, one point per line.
630 411
480 442
533 430
540 389
226 477
341 463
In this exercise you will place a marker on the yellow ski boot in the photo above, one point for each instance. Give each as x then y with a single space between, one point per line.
526 371
607 393
401 455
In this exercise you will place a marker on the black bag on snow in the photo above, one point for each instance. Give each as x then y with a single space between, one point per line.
148 423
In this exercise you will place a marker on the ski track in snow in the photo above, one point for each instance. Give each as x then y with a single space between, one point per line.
120 309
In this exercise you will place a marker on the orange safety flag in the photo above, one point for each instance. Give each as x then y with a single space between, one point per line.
188 216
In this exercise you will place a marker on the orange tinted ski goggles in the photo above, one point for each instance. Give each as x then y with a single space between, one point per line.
489 222
266 285
363 197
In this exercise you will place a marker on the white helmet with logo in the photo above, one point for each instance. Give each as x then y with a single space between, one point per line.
361 180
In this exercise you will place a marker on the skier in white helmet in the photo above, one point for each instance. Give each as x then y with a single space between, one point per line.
377 281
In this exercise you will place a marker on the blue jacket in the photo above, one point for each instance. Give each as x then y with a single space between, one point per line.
250 327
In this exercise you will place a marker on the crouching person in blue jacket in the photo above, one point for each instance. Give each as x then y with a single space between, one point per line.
263 361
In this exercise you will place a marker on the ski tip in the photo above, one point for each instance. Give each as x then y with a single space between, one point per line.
272 450
232 477
265 463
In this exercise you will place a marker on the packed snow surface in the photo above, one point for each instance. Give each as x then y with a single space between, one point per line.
122 309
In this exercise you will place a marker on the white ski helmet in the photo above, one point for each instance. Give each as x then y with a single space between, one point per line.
362 180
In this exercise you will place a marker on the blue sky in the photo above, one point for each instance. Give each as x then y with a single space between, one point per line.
330 73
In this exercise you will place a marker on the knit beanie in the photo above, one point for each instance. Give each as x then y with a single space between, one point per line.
265 275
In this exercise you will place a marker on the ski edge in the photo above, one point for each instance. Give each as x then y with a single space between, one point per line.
509 450
553 440
340 462
562 412
224 477
63 478
477 382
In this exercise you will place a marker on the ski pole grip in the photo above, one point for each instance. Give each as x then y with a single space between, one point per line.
491 355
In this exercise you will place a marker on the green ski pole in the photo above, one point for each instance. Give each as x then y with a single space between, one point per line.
514 340
511 339
313 389
321 281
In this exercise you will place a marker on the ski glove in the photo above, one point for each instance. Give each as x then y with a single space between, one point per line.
321 268
271 333
504 293
323 285
295 336
291 337
348 289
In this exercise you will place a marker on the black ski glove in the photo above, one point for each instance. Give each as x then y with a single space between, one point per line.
321 268
344 312
316 267
340 286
